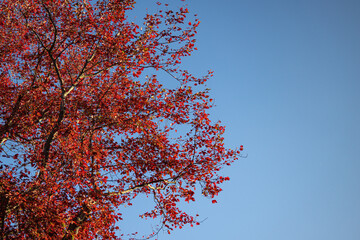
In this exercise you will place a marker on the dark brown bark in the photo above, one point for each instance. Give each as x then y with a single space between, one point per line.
78 220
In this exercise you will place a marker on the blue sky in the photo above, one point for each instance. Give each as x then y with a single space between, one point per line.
287 87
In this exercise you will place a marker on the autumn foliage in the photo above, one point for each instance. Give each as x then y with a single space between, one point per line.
87 123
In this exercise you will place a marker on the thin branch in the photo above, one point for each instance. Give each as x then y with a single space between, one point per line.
81 75
148 184
54 25
12 115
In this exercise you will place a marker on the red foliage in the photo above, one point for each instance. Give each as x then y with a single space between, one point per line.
83 132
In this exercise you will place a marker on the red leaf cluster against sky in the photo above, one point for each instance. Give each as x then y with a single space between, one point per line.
86 125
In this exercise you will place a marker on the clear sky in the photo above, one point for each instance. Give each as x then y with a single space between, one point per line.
287 86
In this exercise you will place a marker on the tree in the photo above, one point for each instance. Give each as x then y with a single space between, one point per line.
86 125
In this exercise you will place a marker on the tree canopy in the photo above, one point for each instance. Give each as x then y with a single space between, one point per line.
87 124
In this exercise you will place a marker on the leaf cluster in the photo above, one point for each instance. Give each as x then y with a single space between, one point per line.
83 131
